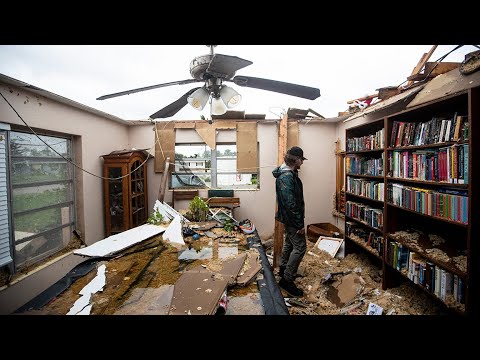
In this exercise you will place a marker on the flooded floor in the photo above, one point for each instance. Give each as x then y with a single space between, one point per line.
140 280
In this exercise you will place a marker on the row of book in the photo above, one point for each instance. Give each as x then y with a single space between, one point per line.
450 204
364 213
435 131
371 189
364 166
447 164
369 238
368 142
432 277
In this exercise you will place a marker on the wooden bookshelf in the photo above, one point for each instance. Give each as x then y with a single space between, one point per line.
365 197
425 290
365 247
429 152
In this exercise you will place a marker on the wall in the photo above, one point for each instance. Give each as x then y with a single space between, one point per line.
317 173
94 136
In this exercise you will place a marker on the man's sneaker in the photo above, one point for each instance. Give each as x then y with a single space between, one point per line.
290 287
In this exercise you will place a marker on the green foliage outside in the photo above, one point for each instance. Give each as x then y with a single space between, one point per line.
40 220
229 225
198 209
156 218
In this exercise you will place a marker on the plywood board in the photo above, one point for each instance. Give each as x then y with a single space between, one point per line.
225 124
208 133
196 293
148 301
444 85
185 125
292 134
230 268
247 150
252 269
164 145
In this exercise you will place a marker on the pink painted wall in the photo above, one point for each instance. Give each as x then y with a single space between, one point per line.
94 135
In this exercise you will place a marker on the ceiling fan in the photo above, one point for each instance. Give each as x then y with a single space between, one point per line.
213 70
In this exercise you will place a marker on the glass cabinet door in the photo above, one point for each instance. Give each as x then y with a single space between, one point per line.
137 186
115 199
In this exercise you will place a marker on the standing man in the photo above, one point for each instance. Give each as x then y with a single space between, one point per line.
291 212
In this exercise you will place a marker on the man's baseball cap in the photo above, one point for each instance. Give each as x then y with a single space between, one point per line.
296 151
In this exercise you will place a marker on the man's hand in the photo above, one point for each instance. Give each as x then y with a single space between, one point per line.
301 231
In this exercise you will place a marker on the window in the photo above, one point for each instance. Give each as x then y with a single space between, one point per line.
198 166
42 196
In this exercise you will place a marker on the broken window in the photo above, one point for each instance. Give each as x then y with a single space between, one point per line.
42 195
198 166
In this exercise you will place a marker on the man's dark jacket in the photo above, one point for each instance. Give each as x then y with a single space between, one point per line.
291 206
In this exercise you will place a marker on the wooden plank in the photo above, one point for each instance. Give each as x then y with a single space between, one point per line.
292 134
184 125
368 97
225 124
252 269
279 228
421 63
247 148
164 144
163 182
208 133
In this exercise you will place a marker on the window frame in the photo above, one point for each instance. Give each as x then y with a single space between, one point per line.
70 203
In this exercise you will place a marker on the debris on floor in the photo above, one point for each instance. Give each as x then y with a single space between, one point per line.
347 286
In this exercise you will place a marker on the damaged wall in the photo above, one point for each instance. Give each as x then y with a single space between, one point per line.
94 136
317 173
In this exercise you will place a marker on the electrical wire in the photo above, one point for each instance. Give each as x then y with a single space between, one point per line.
438 61
70 161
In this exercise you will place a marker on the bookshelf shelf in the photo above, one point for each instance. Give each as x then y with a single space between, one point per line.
421 251
429 216
365 197
364 151
365 247
433 141
456 310
364 224
366 176
428 146
434 183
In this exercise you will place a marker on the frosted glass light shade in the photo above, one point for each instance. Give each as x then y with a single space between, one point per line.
218 106
199 98
230 97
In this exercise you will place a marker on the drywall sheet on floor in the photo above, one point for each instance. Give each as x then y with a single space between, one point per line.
82 306
118 242
247 150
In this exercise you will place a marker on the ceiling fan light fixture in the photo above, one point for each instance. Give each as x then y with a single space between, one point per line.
218 107
199 98
230 97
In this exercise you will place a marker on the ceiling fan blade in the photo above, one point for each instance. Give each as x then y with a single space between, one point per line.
128 92
302 91
225 66
174 107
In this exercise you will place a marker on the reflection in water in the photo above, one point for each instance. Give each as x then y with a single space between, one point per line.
193 254
208 252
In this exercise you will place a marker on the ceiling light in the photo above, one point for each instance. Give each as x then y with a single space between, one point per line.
199 98
218 106
230 97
